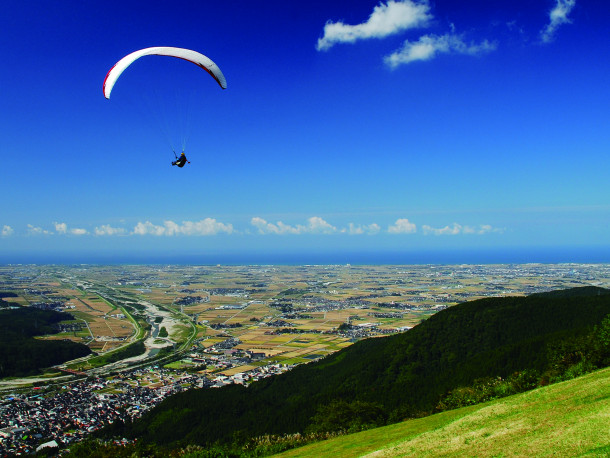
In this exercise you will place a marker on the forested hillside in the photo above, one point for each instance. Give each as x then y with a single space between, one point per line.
382 380
21 354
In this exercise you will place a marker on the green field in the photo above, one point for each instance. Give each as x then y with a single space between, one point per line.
566 419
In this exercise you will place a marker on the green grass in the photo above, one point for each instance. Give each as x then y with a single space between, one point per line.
566 419
123 352
178 365
182 333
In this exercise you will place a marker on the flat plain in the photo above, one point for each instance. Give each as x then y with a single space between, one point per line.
290 314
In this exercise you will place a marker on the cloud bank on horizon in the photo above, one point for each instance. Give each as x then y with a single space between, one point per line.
399 16
314 225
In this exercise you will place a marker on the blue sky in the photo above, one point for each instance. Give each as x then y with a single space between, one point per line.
347 126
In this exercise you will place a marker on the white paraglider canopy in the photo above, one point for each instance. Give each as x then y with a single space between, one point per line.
191 56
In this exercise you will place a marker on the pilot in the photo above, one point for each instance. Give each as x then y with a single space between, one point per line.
180 161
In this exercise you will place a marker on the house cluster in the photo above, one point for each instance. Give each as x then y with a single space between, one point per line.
223 356
254 375
278 324
359 331
385 315
309 304
229 292
53 305
356 332
191 300
225 325
220 360
74 411
226 344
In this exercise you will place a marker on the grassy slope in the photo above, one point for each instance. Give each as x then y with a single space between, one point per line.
566 419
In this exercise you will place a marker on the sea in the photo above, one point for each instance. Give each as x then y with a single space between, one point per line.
523 255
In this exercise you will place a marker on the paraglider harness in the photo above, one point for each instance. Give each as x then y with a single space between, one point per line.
180 161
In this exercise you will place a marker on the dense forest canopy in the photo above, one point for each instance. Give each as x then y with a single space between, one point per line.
21 354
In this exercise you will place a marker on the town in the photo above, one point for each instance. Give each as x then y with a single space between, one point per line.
59 416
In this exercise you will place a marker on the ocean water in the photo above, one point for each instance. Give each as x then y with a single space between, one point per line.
489 256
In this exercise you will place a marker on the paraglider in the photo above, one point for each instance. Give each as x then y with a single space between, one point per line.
180 161
186 54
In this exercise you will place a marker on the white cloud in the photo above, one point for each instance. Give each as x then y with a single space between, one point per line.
148 228
402 226
447 230
318 225
456 229
487 228
352 229
35 230
61 228
207 226
357 229
7 231
484 229
315 225
269 228
106 229
386 19
428 46
171 228
557 16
